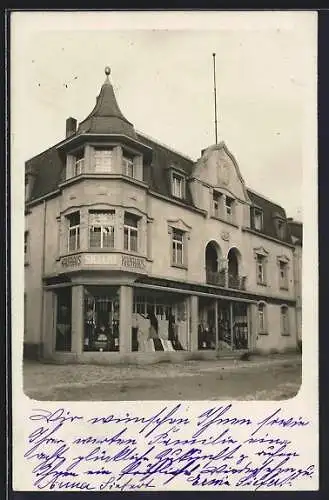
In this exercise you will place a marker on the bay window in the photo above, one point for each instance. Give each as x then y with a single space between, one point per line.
101 228
130 239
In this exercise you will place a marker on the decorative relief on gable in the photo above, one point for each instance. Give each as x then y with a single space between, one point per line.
283 258
225 235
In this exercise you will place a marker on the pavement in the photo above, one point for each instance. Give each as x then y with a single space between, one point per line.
272 377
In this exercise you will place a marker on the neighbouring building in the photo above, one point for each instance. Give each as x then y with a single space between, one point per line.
131 247
296 231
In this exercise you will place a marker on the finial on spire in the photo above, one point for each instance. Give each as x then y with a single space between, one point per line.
107 72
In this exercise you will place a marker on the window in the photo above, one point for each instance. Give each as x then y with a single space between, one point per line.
74 232
177 186
177 247
128 166
101 229
257 218
27 188
131 232
283 274
216 203
262 318
103 160
229 207
26 247
284 320
79 164
260 264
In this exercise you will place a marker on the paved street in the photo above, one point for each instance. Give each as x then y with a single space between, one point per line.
260 378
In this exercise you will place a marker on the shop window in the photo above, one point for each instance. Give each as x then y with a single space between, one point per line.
283 275
79 163
74 231
131 232
216 203
178 186
262 319
257 218
101 228
101 319
103 160
177 247
284 320
64 320
261 270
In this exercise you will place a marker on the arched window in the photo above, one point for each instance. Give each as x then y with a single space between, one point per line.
285 327
262 318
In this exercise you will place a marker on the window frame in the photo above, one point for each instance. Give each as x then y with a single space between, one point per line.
126 160
26 247
217 213
283 282
74 229
229 215
256 211
102 226
131 229
102 170
264 329
284 323
260 261
175 243
181 178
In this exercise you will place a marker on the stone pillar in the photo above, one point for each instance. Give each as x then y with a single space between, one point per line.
125 322
253 326
48 323
89 159
77 319
194 322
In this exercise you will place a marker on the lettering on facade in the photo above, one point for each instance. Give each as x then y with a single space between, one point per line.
133 262
100 259
71 261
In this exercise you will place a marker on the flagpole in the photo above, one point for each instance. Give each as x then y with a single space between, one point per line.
215 96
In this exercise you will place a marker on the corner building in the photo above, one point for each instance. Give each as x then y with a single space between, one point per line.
133 250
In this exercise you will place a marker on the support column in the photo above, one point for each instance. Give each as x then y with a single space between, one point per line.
125 322
231 325
194 322
252 327
216 324
77 319
48 323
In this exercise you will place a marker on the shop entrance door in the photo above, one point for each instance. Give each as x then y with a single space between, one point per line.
240 325
224 325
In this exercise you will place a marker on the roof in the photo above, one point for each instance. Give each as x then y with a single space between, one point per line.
296 230
106 115
271 211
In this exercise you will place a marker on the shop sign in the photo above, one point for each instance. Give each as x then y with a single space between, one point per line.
71 261
100 259
133 262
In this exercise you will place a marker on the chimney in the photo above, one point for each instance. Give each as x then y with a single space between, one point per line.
71 126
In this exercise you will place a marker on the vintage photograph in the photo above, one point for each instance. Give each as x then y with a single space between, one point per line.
163 233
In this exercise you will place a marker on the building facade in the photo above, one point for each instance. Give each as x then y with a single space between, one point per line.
131 247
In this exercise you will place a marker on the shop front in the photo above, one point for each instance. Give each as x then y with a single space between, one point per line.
223 325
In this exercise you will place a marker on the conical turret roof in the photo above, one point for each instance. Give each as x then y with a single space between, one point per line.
106 117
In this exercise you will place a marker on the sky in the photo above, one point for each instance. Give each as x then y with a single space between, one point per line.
162 73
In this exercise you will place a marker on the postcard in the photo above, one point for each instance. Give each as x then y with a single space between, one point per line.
163 249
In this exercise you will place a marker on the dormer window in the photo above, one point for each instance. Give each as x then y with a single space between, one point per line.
281 228
103 160
257 218
177 185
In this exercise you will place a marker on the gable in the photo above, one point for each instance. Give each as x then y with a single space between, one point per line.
218 168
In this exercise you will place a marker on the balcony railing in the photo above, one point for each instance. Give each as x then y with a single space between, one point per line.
219 278
237 282
215 277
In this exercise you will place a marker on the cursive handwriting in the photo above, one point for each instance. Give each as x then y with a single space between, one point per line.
170 447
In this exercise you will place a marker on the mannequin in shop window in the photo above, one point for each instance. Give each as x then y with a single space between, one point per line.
173 333
101 342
